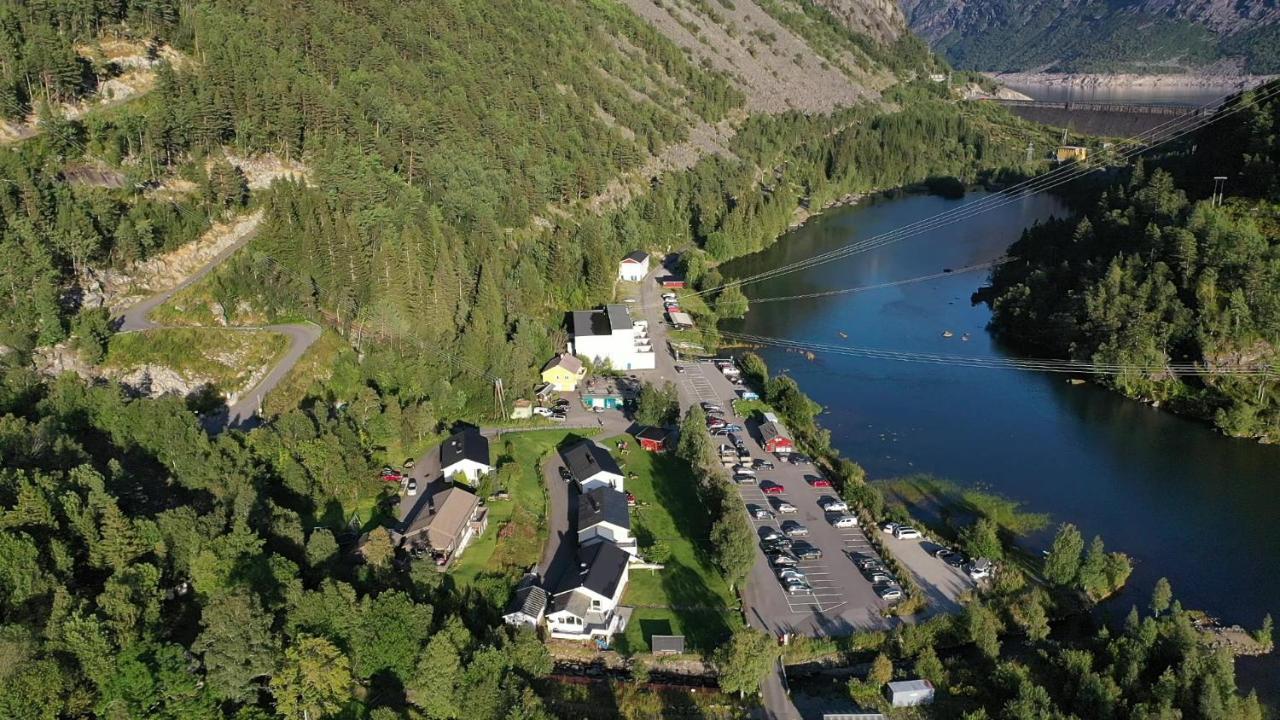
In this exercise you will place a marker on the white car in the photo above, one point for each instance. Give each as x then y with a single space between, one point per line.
543 412
412 487
979 569
845 521
835 506
786 507
889 527
904 532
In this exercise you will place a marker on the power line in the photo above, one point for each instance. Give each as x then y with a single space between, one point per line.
999 363
879 286
1047 181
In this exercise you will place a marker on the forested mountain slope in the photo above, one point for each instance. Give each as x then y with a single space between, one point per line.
1101 36
1155 274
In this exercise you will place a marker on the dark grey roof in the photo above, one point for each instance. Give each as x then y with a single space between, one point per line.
619 317
769 431
575 602
637 256
587 458
529 599
603 505
653 432
600 568
590 322
468 444
667 643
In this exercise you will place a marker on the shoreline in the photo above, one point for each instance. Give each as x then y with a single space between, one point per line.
1129 80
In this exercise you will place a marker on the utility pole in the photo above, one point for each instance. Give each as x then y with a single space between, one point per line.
499 398
1219 187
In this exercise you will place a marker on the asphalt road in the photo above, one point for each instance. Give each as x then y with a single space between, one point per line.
242 414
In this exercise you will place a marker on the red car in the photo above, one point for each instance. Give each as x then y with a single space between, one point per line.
390 475
772 489
820 483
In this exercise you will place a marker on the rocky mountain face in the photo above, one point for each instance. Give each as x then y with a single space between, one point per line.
881 20
1142 36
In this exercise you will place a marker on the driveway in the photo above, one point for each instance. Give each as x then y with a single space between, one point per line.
560 551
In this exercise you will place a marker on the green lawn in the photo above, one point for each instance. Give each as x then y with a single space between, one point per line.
688 597
518 526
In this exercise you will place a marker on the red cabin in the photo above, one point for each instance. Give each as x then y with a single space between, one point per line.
653 439
775 439
672 283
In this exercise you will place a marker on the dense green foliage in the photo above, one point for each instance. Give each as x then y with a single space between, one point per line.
1155 274
148 571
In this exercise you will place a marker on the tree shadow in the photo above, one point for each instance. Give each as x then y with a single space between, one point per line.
695 606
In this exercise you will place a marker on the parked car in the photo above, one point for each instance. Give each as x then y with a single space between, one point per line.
865 562
390 474
748 395
845 521
748 478
557 417
714 423
711 407
781 559
759 513
879 576
805 551
889 527
565 475
744 470
820 483
799 588
798 459
905 532
543 412
979 569
733 427
412 487
889 592
762 464
408 463
786 508
834 506
794 529
772 489
790 573
956 560
562 403
778 545
679 368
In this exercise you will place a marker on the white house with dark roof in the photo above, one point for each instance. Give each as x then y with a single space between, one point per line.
603 516
593 467
609 336
466 452
634 266
586 605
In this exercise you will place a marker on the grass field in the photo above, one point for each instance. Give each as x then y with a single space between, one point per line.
521 521
225 358
688 597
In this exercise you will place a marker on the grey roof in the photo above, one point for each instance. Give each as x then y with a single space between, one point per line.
653 432
603 505
590 322
575 602
468 444
638 256
587 458
910 686
600 568
565 360
529 599
619 317
769 431
667 643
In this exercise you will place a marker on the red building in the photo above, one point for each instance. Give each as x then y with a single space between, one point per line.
674 283
775 438
653 439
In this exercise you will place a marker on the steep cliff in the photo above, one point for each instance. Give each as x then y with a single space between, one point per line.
1145 36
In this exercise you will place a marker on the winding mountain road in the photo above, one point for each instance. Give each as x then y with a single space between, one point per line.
242 414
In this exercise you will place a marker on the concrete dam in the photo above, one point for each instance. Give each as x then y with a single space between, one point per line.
1103 119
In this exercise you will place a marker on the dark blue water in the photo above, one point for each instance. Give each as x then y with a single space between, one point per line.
1184 501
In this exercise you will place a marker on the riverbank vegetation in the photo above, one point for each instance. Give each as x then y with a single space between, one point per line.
1157 274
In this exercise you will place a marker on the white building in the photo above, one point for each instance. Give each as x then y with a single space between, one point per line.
603 516
467 453
593 467
586 605
907 693
609 336
528 605
634 266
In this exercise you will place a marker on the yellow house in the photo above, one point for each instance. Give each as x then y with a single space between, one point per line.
563 372
1068 153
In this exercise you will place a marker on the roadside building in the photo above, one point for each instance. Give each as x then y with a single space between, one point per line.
1072 153
602 392
653 439
603 516
586 605
634 266
680 320
563 372
672 283
610 337
667 644
774 436
443 523
465 453
528 605
593 467
521 409
909 693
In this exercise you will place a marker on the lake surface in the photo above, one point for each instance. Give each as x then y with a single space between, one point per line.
1163 95
1184 501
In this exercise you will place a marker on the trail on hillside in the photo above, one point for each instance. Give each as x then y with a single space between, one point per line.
243 413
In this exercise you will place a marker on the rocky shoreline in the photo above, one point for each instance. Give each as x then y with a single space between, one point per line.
1091 80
